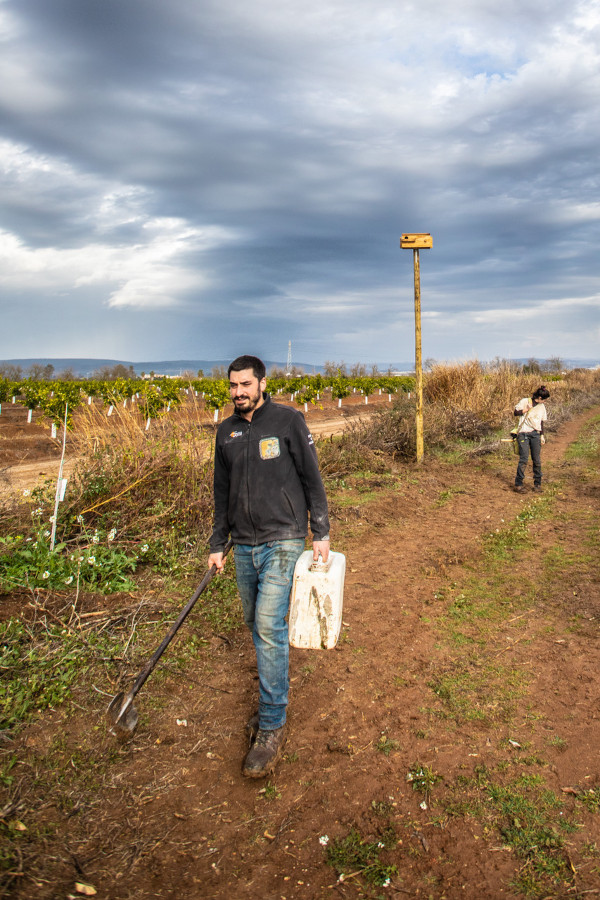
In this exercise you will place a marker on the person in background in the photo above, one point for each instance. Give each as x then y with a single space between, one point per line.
266 483
530 436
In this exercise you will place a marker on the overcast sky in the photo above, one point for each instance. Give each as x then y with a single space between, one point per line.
201 178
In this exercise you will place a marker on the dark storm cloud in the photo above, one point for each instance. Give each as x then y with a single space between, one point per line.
194 174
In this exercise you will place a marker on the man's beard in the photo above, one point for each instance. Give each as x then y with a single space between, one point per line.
249 403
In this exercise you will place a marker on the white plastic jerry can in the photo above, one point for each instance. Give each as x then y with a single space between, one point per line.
316 601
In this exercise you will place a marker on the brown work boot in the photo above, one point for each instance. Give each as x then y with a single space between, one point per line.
537 488
252 727
519 489
264 753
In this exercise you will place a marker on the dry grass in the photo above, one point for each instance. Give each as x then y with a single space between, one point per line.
462 403
143 482
150 485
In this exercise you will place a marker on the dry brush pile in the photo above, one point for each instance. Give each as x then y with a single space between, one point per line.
466 406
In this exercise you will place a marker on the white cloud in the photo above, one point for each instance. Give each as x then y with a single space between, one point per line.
540 311
149 275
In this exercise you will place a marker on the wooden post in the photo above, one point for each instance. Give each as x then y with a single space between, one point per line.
418 360
414 241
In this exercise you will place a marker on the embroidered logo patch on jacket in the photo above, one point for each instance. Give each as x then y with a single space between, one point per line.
269 448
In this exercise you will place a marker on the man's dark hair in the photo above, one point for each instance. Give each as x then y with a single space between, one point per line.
542 393
248 362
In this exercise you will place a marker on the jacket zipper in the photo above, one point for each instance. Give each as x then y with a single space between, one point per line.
248 480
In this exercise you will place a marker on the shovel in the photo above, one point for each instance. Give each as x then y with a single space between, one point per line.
121 714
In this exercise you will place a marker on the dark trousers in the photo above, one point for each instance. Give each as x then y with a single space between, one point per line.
529 442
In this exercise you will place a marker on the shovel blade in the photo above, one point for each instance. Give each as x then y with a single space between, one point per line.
121 716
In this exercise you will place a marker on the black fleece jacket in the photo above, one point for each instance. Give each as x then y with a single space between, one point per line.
267 479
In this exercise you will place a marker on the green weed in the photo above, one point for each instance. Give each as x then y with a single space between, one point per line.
354 856
270 791
422 779
386 745
590 797
447 495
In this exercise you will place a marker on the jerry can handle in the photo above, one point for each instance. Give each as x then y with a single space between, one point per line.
318 565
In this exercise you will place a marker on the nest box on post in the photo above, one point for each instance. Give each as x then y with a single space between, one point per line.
416 242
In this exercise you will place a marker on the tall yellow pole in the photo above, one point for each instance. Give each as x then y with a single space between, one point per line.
418 361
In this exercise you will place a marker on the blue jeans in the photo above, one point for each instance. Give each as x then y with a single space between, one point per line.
264 578
529 441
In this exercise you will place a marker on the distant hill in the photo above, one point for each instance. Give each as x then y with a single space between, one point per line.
83 367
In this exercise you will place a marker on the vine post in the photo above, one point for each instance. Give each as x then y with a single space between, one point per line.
60 482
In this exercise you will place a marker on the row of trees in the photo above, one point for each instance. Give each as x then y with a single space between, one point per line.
155 396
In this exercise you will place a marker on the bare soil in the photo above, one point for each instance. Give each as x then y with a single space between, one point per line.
171 816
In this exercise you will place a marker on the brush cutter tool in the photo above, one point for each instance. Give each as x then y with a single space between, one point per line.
121 714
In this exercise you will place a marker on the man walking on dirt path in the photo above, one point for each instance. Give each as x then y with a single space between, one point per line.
266 483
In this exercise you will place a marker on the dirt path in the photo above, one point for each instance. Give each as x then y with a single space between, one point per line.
179 820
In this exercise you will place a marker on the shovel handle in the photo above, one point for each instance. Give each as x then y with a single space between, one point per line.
149 667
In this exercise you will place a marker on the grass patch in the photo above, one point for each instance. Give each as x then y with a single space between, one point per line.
479 692
40 665
504 542
447 495
587 445
528 818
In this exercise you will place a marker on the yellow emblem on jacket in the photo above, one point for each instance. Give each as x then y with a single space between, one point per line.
269 448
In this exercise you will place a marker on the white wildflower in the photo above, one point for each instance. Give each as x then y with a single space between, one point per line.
46 574
112 534
95 539
46 533
381 845
26 493
423 805
69 579
386 883
53 518
91 560
144 548
37 512
324 840
80 519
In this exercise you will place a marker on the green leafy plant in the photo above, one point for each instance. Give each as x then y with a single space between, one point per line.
386 745
29 562
422 779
